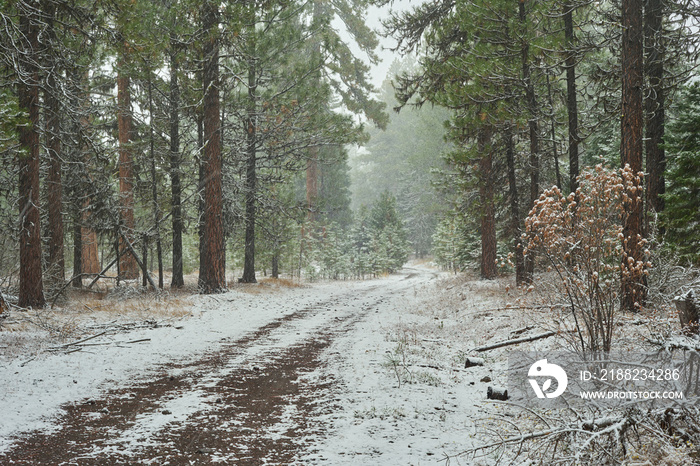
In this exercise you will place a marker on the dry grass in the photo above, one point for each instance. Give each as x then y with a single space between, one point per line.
267 284
84 309
282 282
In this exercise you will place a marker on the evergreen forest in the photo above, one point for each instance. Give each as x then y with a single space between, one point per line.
154 140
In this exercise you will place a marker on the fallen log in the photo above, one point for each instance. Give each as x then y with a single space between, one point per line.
74 343
516 341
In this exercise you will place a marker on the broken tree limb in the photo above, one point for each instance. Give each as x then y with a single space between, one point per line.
141 340
138 260
104 270
68 282
516 341
509 307
80 341
522 330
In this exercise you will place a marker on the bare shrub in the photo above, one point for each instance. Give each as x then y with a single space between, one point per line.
635 436
581 238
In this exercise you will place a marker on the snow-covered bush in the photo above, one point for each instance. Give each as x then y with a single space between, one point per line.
581 238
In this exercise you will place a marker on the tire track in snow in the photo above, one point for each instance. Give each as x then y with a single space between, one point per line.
252 401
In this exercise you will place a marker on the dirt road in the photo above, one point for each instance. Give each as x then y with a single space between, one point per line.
254 400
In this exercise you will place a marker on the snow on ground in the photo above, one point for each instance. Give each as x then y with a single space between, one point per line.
403 394
408 399
35 386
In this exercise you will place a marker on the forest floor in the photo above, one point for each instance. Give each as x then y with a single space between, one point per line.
355 372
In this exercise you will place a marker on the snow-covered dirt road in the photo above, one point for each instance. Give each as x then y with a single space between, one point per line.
308 375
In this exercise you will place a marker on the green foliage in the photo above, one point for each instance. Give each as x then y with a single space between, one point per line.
682 215
454 246
389 242
333 201
11 116
402 159
375 244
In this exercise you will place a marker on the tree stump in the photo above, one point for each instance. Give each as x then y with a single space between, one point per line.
688 312
471 362
497 393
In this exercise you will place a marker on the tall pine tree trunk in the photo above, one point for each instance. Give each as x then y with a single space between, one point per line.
54 198
31 288
251 150
631 151
553 122
85 258
571 97
90 259
533 127
515 226
312 184
178 280
313 154
154 185
488 208
129 267
655 103
211 271
56 265
201 180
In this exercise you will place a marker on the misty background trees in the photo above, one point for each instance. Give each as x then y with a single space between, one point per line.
531 84
143 138
171 137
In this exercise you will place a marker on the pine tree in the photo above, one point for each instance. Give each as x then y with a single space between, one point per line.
212 270
632 147
128 266
654 109
346 73
31 291
56 262
681 217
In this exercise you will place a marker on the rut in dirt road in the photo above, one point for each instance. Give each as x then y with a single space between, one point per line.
255 400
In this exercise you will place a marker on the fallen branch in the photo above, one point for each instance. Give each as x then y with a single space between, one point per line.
678 343
522 330
516 341
66 285
519 308
117 343
137 259
592 428
136 341
56 348
518 439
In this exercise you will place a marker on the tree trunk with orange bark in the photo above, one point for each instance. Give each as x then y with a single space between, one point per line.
212 277
54 185
632 148
31 288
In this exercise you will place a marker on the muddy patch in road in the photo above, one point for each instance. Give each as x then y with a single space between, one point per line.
252 401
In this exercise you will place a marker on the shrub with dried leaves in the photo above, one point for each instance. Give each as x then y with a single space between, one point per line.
581 238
